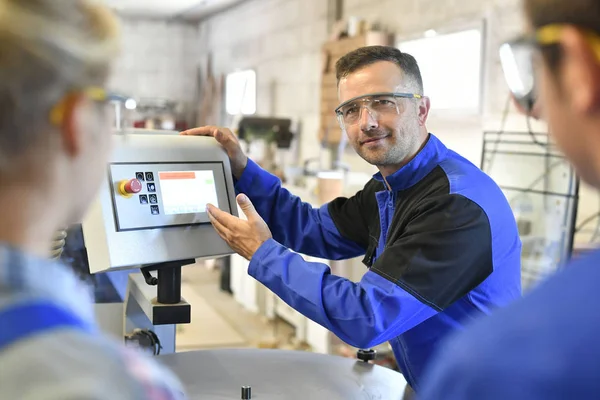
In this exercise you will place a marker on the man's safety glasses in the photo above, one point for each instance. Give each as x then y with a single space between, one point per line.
517 59
94 93
376 104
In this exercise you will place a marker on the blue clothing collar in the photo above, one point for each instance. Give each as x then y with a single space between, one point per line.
25 277
422 164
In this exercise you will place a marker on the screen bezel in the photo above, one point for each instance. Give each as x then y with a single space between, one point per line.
113 192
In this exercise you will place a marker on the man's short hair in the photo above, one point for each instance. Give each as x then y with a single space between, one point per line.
583 13
364 56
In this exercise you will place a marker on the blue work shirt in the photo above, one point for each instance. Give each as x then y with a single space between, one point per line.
68 362
543 347
441 245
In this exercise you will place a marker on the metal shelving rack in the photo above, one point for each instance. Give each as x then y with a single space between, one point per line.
552 192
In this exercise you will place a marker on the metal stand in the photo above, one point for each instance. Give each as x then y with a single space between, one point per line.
225 282
158 309
169 284
366 355
560 193
269 374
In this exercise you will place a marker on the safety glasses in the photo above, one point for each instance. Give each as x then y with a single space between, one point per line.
376 104
94 93
518 59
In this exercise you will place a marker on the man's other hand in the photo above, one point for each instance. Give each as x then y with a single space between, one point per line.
244 237
230 143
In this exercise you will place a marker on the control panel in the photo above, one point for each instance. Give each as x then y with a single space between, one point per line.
166 194
151 207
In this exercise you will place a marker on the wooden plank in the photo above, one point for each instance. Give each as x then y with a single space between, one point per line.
329 80
328 106
328 99
329 95
333 136
328 115
344 42
329 123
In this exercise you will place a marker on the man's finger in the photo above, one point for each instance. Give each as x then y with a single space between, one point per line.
222 135
221 230
225 219
200 131
246 206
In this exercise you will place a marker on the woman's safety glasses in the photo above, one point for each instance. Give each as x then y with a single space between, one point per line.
517 58
376 104
94 93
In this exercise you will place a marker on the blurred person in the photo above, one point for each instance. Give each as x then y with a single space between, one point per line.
437 234
55 139
544 346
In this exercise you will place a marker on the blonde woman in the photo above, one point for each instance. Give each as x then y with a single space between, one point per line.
55 57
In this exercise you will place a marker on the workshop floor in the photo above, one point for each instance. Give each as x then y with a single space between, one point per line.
218 321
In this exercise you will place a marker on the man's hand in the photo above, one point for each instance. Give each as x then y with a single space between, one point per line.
230 143
245 237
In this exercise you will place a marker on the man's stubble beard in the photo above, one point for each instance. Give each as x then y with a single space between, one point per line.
395 150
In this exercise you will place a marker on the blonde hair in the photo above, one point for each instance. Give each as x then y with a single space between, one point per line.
47 49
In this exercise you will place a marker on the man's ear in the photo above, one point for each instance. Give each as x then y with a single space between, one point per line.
423 107
580 72
70 128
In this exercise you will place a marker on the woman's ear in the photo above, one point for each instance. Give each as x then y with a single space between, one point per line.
70 126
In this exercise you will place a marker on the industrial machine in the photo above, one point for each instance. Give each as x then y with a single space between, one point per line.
150 216
281 374
264 138
272 130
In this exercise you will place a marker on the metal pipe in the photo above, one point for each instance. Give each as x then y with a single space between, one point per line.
571 228
544 192
169 285
521 153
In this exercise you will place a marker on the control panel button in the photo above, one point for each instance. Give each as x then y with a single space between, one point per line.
149 176
143 199
151 187
128 187
139 176
154 210
153 199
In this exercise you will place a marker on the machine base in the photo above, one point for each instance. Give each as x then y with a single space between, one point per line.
281 374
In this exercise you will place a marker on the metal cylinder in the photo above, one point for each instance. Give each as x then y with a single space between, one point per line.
246 393
169 285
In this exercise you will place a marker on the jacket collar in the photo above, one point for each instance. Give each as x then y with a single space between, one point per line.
419 167
24 276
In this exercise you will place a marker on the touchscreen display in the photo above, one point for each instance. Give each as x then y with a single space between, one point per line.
187 192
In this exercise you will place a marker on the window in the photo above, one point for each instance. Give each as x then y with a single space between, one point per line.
240 93
451 68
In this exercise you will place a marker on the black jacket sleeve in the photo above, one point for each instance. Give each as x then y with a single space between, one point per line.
354 217
442 253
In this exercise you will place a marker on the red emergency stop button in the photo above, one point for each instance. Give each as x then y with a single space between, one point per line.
128 187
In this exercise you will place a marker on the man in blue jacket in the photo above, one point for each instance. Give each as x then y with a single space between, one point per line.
545 346
438 236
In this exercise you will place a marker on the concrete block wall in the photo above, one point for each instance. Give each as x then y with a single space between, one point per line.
156 60
408 17
281 41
